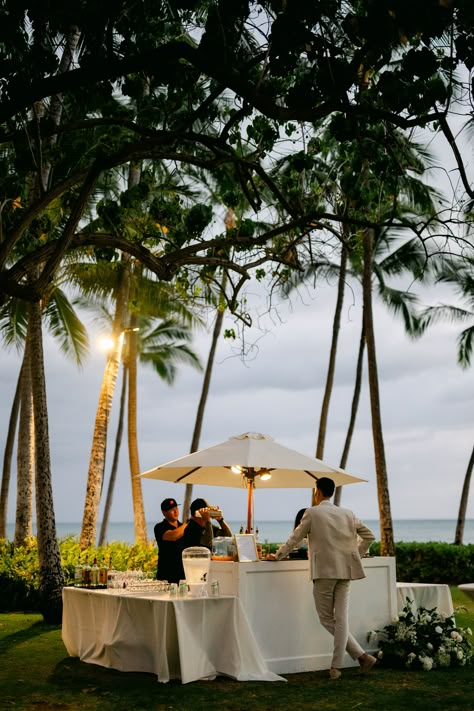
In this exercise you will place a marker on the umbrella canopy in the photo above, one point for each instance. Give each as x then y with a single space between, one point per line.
253 460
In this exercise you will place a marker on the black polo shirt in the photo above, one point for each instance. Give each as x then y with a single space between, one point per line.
170 563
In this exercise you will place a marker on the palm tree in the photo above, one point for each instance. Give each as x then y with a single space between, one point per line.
401 197
457 271
67 330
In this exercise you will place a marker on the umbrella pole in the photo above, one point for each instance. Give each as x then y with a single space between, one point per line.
250 484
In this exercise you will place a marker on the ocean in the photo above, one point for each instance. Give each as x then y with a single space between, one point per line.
421 530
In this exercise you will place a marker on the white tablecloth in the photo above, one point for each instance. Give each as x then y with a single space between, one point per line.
188 639
426 595
467 588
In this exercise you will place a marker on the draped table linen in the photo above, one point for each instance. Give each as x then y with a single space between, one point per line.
427 595
187 639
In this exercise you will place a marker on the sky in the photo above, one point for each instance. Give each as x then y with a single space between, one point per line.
427 404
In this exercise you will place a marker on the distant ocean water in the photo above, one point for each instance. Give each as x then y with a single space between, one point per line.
421 530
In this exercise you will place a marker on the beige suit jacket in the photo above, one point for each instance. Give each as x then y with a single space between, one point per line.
336 541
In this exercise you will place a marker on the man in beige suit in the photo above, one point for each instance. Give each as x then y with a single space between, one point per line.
336 542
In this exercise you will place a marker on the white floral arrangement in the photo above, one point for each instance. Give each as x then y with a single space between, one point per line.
423 639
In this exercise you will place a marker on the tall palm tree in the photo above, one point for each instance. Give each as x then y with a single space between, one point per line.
457 271
63 324
399 197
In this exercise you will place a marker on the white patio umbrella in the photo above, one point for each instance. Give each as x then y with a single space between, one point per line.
253 460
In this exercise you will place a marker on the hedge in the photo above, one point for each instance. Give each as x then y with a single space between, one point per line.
19 583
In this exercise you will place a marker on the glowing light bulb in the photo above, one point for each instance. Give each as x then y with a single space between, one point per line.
236 469
266 477
106 343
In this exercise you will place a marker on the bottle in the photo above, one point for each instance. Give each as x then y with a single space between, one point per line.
103 573
78 573
86 574
94 574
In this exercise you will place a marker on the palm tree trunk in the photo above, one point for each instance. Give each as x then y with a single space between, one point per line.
458 538
387 546
204 394
354 409
137 494
25 454
113 471
323 418
7 459
50 570
95 474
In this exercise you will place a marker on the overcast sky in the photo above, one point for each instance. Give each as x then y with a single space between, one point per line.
426 400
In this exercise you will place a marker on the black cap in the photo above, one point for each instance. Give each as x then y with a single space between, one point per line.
168 504
198 504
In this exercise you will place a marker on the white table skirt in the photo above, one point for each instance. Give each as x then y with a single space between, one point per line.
188 639
467 588
426 595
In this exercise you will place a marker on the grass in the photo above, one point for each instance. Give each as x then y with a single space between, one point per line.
37 675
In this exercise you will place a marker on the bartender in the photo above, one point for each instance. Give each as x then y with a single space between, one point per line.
169 534
200 530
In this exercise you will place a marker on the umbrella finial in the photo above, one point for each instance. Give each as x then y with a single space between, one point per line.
252 435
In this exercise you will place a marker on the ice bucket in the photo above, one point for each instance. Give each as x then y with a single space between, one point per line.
196 562
223 548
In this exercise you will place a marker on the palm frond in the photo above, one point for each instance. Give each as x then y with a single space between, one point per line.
66 327
465 342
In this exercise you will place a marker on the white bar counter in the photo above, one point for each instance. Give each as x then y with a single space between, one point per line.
277 597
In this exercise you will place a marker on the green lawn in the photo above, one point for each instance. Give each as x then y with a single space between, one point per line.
37 675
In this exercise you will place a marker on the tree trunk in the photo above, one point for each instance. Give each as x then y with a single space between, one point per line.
95 474
113 471
50 570
25 454
354 409
323 418
458 538
7 459
137 494
387 546
204 394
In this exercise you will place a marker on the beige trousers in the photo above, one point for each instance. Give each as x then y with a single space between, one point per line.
332 605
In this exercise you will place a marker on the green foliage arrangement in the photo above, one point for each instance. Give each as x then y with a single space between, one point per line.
19 576
423 639
432 562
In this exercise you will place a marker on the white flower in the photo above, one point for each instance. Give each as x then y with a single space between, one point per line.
429 646
459 654
397 619
380 654
438 630
468 631
411 656
459 638
454 635
426 662
372 636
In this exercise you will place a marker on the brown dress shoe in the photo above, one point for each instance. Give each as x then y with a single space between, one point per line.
367 664
334 673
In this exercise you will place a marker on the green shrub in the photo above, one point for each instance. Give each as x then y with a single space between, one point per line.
19 581
432 562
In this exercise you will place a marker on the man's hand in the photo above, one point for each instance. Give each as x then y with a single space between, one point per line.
205 515
270 556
